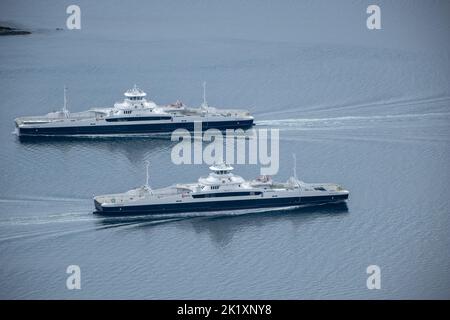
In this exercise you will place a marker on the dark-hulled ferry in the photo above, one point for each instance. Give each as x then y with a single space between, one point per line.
135 115
220 190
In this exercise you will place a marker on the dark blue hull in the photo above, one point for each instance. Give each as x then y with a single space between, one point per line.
149 128
218 205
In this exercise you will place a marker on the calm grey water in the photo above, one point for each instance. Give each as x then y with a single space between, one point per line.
367 109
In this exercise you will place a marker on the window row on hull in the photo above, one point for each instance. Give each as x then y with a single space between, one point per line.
138 119
227 194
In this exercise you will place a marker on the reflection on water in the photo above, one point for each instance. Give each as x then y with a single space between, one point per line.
221 226
134 149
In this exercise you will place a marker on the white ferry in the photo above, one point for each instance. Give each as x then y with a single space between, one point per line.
135 115
220 190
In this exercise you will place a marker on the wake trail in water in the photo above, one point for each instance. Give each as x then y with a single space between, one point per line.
107 223
68 217
387 103
308 123
25 199
118 222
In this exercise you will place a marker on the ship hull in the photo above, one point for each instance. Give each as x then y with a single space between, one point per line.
123 129
187 207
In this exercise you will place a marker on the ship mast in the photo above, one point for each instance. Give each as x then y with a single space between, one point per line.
295 166
147 186
65 110
204 104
